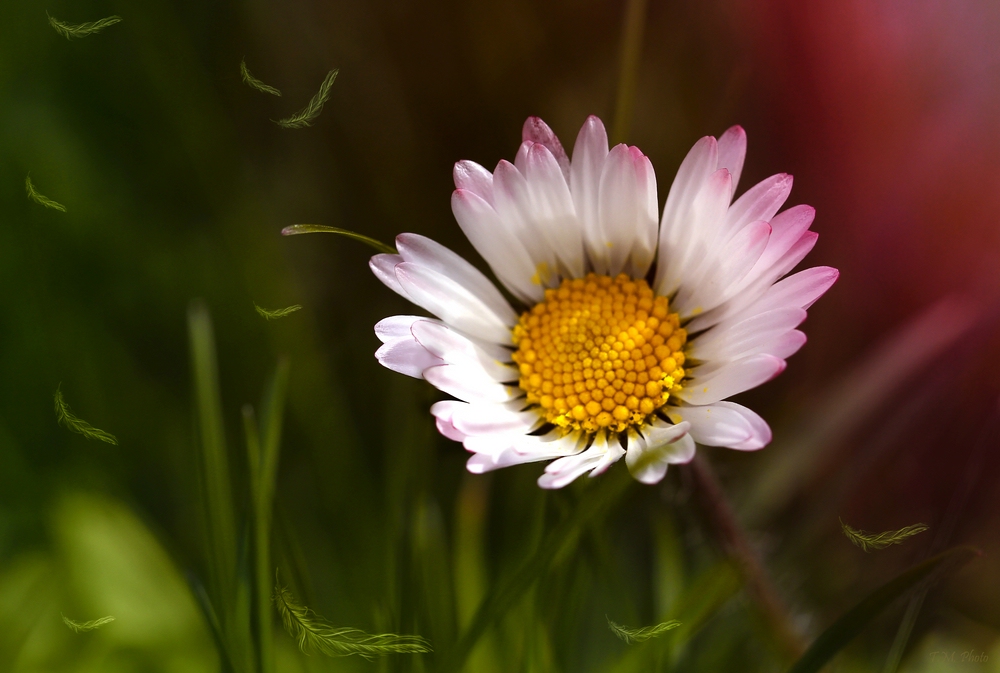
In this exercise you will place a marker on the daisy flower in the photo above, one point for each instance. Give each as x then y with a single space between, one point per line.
625 337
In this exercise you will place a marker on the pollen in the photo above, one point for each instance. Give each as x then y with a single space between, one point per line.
599 352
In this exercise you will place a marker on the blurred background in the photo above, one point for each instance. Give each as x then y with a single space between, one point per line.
177 183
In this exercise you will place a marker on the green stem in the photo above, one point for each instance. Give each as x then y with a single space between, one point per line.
631 50
735 544
216 491
263 447
499 601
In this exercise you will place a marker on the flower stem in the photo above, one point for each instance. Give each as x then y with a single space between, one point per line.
631 49
734 543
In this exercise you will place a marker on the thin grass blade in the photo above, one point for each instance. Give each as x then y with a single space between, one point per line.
294 229
255 83
41 199
83 627
216 488
268 314
313 633
263 448
869 541
71 422
308 114
71 30
499 601
641 634
837 636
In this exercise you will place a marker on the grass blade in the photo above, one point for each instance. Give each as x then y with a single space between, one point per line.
263 448
216 490
508 592
71 30
83 627
306 115
268 314
41 199
869 541
67 419
314 633
643 633
323 229
255 83
855 620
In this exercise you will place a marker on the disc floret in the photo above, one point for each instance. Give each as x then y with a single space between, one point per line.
599 352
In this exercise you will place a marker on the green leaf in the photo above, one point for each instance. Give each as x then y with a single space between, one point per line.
40 198
255 83
306 115
868 541
263 462
837 636
70 30
83 627
214 484
66 418
277 313
323 229
640 634
314 633
506 594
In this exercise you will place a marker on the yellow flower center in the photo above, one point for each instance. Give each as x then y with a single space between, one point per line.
599 352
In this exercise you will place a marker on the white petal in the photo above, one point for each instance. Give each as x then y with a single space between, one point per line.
787 227
611 451
589 153
471 384
725 424
449 430
622 209
395 327
521 158
597 458
649 453
472 177
497 244
727 381
660 434
617 209
760 202
786 345
406 356
512 449
493 419
645 467
550 212
427 253
455 349
442 415
732 340
647 229
795 254
513 205
675 228
722 271
732 152
697 246
384 268
536 130
454 303
800 290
